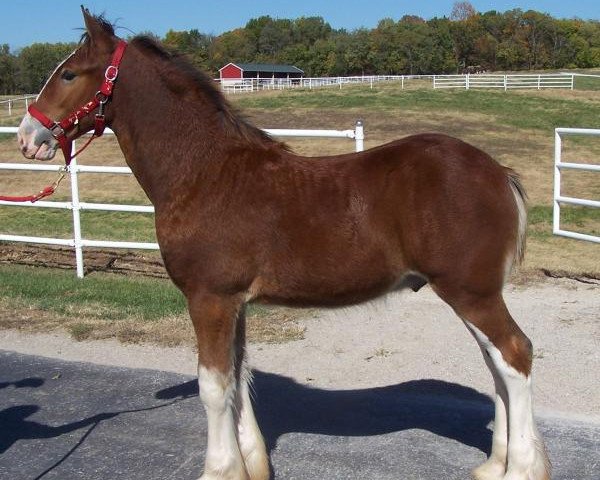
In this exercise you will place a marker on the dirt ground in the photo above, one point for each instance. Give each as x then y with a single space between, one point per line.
121 262
406 336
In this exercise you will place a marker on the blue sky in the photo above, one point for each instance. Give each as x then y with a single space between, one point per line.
27 21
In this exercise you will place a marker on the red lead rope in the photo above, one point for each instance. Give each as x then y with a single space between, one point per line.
59 129
45 192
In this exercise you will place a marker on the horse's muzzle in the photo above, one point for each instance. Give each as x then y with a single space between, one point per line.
36 141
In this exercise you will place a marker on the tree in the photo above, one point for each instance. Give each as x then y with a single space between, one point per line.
235 46
537 30
442 56
464 35
322 59
307 30
358 55
8 70
197 46
462 11
275 36
37 62
384 49
412 40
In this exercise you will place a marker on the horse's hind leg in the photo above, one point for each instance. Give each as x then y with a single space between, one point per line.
214 320
518 452
495 466
250 439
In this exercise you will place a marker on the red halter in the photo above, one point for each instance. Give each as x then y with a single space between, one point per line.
60 128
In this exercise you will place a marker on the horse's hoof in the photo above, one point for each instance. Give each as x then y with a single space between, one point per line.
490 470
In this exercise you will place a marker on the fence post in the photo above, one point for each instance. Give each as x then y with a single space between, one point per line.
467 81
539 82
75 208
505 82
557 160
359 136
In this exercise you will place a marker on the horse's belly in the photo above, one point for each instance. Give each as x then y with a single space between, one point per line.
328 282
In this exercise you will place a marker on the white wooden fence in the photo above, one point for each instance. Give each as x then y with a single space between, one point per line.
9 104
559 199
466 81
256 84
78 243
504 82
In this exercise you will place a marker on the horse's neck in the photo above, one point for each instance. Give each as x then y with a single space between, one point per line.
166 143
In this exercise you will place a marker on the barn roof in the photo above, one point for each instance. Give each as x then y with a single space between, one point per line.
266 67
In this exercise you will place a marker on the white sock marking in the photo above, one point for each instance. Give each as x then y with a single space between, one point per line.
217 393
524 454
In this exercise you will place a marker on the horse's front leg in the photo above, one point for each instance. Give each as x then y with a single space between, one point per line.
214 318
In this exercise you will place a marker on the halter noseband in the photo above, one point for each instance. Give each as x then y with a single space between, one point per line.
59 129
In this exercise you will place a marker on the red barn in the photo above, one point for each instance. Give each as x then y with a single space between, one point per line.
236 72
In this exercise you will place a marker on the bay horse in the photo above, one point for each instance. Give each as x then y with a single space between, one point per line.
240 218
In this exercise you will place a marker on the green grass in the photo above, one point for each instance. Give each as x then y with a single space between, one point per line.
96 225
508 108
131 309
588 83
571 215
101 296
583 219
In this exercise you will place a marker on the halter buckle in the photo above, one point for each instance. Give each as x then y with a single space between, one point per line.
57 131
111 73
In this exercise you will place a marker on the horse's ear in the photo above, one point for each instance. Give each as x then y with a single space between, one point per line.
95 29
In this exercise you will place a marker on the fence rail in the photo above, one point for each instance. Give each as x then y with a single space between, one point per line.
559 199
78 243
505 82
10 103
256 84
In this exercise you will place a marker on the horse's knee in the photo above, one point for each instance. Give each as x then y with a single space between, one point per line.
216 389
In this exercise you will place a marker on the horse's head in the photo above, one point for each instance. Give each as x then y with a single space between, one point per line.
73 98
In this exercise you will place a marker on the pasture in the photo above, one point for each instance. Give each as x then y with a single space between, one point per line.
514 127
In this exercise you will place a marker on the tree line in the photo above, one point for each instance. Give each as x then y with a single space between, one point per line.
466 40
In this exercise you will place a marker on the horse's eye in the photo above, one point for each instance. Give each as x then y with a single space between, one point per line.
68 75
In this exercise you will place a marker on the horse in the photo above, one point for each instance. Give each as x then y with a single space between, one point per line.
240 218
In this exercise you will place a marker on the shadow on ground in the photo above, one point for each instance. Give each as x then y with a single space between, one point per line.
284 406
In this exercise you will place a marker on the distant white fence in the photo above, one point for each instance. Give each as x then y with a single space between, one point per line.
257 84
559 199
504 82
76 206
466 81
9 104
